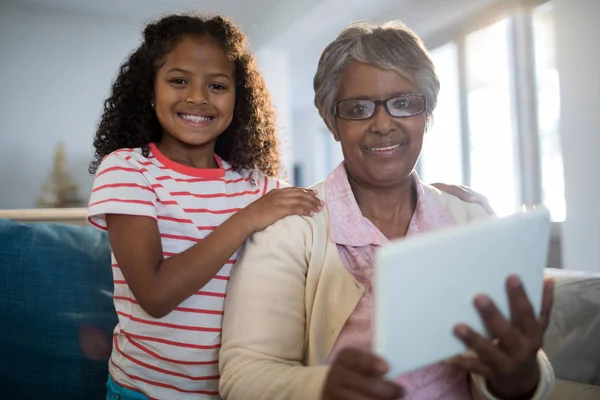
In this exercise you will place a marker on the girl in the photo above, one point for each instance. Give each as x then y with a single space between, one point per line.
184 154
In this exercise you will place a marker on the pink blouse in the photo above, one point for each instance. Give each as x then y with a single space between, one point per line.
357 239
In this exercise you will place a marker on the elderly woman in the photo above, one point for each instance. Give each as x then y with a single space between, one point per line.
298 314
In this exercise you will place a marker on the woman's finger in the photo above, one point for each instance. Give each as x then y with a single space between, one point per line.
372 387
510 339
521 310
348 394
472 365
547 301
362 362
486 351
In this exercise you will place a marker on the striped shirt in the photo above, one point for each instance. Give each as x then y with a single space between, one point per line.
174 357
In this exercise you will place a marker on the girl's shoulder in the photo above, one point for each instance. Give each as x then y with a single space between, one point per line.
125 153
265 182
133 158
256 178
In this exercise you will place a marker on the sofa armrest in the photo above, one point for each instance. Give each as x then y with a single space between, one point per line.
572 341
573 390
71 216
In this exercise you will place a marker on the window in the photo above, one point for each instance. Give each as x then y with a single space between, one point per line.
441 160
497 120
548 101
491 128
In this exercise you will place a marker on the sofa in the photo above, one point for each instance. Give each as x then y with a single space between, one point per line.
57 313
572 340
56 310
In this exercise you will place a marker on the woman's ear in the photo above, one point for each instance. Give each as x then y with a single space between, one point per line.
336 134
332 129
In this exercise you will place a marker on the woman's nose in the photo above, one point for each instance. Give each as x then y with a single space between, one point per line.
382 122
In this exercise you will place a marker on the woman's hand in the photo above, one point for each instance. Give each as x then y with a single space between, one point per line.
279 203
358 375
510 366
466 194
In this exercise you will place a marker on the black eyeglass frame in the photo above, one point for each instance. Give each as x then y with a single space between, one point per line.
379 103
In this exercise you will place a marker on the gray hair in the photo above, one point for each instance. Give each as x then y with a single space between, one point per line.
391 46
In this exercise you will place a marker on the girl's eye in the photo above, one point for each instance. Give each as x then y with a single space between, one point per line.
217 86
178 81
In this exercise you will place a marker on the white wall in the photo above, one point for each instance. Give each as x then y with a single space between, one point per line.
55 72
578 53
57 67
274 65
315 150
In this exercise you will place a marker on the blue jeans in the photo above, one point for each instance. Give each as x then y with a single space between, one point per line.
114 391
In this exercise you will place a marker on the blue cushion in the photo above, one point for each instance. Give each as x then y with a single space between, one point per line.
56 310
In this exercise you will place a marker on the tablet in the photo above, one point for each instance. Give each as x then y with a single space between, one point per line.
424 285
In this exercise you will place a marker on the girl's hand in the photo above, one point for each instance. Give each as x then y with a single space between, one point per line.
358 375
279 203
465 194
510 366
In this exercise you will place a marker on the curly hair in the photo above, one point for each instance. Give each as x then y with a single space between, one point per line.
128 120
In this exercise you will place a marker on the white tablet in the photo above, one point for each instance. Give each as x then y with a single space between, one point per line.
424 285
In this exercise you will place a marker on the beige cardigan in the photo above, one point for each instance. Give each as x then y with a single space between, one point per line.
288 299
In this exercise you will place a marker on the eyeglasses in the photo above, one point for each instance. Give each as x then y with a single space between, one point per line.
406 105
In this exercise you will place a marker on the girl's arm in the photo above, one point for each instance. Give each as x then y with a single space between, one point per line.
124 203
159 285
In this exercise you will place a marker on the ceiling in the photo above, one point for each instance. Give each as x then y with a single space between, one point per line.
427 17
141 10
302 28
280 21
260 19
307 36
